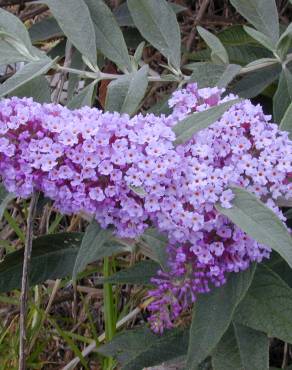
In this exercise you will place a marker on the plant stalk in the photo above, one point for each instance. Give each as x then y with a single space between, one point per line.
25 283
109 310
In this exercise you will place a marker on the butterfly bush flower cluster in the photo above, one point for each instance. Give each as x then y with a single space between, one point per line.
93 162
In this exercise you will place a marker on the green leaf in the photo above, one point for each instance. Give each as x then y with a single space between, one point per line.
280 267
53 257
283 96
125 93
38 89
140 274
253 347
260 37
253 83
259 221
58 51
210 74
109 38
241 54
83 98
154 246
45 29
262 14
261 63
218 51
5 199
205 74
138 190
11 24
285 42
10 55
242 348
267 305
244 54
139 348
212 316
226 356
157 22
229 74
234 36
286 123
92 247
188 127
74 19
26 74
161 107
137 57
74 79
123 15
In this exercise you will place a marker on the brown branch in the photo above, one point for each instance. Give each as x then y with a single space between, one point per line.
197 20
25 283
14 2
33 12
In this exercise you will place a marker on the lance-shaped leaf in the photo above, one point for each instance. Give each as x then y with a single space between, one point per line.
83 98
53 256
5 198
140 348
154 246
218 51
211 74
260 37
125 94
229 74
253 83
26 74
74 79
157 22
205 74
253 347
75 21
141 273
286 123
226 355
262 14
242 348
10 55
283 96
267 306
93 247
109 38
259 221
45 29
234 36
285 42
188 127
13 26
123 16
212 315
280 267
38 89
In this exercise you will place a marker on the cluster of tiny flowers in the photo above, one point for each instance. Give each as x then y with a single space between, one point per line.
91 162
243 149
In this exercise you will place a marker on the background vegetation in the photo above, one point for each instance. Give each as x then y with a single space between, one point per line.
129 56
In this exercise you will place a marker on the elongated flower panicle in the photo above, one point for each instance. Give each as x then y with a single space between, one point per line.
92 162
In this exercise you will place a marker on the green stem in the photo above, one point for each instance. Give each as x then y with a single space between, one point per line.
109 76
109 310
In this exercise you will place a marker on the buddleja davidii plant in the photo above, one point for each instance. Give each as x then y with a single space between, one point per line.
264 42
124 96
99 30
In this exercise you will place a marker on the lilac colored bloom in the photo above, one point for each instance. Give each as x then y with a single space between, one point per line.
88 161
